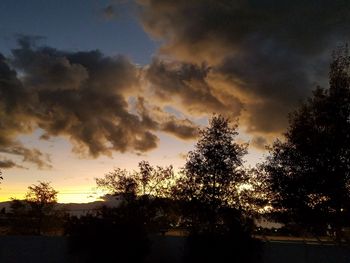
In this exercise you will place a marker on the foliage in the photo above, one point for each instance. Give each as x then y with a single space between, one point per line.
213 171
20 219
112 234
155 181
255 193
148 181
310 169
42 194
37 214
119 182
146 192
229 240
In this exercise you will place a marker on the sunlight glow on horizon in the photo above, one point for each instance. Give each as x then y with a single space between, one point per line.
82 188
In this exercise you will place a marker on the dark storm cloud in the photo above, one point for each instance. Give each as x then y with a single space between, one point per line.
14 118
270 52
173 81
82 96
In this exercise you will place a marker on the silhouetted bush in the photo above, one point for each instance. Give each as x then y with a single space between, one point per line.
230 241
116 235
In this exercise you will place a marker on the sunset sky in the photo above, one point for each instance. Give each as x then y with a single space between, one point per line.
89 85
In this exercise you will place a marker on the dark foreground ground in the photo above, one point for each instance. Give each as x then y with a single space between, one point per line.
165 249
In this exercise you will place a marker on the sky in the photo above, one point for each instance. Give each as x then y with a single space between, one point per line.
87 86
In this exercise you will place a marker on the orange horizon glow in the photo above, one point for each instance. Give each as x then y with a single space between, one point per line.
83 194
74 178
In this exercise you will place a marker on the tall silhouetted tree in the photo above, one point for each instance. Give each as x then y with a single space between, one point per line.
213 170
310 169
209 189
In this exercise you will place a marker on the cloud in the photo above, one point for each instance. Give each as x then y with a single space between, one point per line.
259 142
14 119
156 118
183 129
188 85
29 155
82 96
7 164
266 55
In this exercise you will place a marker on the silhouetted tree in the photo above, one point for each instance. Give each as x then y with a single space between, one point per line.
209 189
154 181
148 181
42 195
20 220
310 169
146 191
254 195
38 210
120 183
109 235
233 245
213 170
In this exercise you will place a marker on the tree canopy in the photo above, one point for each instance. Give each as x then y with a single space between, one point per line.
148 181
213 170
209 182
37 214
310 169
41 193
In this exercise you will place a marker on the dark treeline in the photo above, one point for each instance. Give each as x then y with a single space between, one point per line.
309 171
214 200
